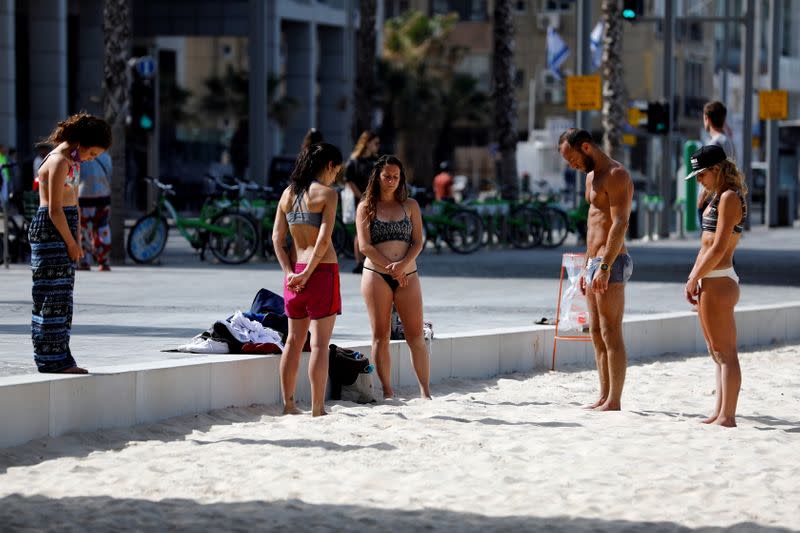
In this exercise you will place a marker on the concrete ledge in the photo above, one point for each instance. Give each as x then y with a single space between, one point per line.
34 406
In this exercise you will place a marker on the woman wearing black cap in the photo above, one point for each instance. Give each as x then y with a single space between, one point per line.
713 284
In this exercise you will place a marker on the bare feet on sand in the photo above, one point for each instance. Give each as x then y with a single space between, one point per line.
725 421
291 409
609 406
318 411
596 404
711 419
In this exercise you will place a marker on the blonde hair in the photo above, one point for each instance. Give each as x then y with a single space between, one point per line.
729 177
361 144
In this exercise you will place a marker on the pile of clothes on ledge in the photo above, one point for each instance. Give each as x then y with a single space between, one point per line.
261 330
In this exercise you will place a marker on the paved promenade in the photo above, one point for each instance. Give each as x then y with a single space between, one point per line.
134 312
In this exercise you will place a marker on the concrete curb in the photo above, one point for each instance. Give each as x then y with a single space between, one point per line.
38 405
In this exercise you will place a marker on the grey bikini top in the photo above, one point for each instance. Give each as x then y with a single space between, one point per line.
300 216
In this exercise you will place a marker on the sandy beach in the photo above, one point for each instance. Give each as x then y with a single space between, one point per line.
515 452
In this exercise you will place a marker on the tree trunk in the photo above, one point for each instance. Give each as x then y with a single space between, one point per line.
614 93
365 68
505 112
415 150
117 41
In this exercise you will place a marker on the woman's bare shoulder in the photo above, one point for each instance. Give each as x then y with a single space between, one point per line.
411 203
56 162
318 191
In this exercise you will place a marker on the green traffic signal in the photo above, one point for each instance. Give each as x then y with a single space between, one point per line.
628 14
146 123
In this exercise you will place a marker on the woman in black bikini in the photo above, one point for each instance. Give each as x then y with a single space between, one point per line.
389 227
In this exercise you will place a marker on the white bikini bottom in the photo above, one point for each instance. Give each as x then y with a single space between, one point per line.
722 273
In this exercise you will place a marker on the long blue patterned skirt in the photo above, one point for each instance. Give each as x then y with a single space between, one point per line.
53 281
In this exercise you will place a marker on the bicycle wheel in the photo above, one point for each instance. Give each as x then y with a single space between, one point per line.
526 226
342 242
464 231
234 239
556 227
147 238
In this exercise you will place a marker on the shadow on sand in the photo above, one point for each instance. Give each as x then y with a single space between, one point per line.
102 513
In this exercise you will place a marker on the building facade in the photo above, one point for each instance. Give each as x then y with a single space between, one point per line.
51 62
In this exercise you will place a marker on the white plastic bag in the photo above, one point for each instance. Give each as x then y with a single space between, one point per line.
348 205
574 311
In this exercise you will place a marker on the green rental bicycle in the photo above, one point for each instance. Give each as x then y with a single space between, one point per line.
232 237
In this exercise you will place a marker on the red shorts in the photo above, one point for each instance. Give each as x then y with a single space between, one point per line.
319 298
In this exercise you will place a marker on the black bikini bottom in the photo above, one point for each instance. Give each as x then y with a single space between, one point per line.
390 281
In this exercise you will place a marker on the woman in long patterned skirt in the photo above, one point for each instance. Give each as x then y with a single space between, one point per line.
55 238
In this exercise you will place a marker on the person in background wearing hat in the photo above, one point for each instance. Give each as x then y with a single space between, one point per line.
713 284
609 191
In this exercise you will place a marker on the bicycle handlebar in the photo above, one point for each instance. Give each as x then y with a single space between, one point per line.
165 187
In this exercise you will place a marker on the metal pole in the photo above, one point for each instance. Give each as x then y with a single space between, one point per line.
664 188
772 154
747 134
153 139
259 47
583 57
6 254
583 66
531 104
725 41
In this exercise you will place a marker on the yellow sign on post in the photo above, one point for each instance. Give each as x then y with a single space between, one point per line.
584 93
773 105
636 117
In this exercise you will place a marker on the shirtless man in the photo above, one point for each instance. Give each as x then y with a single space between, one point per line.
609 190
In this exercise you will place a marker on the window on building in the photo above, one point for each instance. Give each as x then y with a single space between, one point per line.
688 31
519 78
693 93
395 8
468 10
555 6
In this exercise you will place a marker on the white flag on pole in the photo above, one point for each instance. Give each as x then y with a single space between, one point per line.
557 51
596 45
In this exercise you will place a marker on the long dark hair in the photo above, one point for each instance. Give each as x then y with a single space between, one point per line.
81 129
310 163
314 136
373 192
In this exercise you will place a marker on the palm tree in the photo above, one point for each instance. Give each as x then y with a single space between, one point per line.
365 68
228 96
614 93
418 73
117 44
505 111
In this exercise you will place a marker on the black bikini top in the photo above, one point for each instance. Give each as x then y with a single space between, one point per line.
391 230
709 222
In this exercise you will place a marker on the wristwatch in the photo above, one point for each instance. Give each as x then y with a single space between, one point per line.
604 266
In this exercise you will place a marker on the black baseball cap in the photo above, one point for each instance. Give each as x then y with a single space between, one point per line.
705 157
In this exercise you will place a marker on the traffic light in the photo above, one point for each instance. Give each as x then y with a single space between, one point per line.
143 103
632 9
658 117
